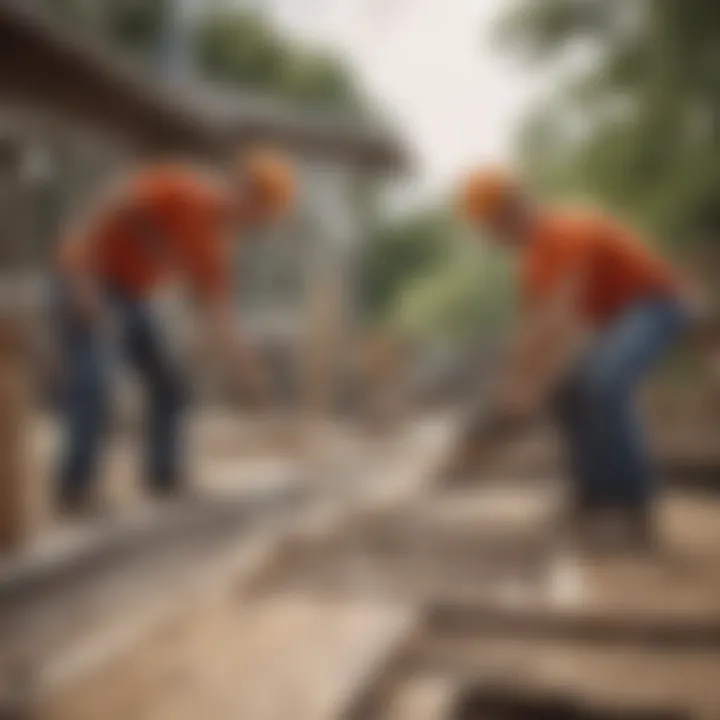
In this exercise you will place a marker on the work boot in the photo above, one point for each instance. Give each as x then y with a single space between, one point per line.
641 530
581 520
85 507
174 492
597 530
593 533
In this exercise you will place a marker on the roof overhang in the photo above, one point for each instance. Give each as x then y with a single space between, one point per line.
48 68
242 117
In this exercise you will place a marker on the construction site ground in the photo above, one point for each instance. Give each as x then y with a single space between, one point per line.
366 586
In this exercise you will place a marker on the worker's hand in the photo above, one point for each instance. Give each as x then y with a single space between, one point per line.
257 399
697 304
518 405
515 399
87 304
254 388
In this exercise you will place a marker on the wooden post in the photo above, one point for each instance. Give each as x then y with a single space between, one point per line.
15 487
322 350
328 308
381 362
14 412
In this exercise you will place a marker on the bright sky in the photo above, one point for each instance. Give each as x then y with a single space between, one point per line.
433 66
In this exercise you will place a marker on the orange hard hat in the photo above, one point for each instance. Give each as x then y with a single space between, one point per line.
485 192
271 176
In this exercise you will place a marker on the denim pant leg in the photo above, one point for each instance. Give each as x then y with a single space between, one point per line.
622 473
84 403
570 414
146 351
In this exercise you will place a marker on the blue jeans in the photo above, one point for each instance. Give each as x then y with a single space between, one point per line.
596 410
87 362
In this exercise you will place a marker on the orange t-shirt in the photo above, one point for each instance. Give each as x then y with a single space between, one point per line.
616 268
169 221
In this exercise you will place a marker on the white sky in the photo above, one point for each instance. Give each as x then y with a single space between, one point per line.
432 65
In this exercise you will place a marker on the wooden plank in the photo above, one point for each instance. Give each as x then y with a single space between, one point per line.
74 667
517 702
427 697
15 487
653 630
500 669
280 658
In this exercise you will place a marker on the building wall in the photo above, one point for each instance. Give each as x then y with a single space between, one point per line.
297 290
53 168
298 286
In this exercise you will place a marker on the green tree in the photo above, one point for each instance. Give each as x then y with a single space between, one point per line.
398 252
133 25
648 107
136 25
241 48
424 276
469 294
236 47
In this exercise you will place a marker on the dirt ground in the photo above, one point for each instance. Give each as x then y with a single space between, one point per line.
386 615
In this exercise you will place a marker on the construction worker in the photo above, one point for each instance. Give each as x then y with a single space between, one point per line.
163 222
583 275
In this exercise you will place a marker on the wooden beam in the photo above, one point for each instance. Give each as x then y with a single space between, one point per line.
597 628
14 407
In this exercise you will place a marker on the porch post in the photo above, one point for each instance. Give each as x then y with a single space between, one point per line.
329 279
14 415
14 376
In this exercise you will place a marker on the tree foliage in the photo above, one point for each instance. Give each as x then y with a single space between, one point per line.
468 294
644 119
237 47
397 253
133 25
242 48
423 276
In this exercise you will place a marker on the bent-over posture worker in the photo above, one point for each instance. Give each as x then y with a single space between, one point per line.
581 273
163 222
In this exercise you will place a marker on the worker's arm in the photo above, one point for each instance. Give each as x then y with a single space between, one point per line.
77 264
549 336
78 255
